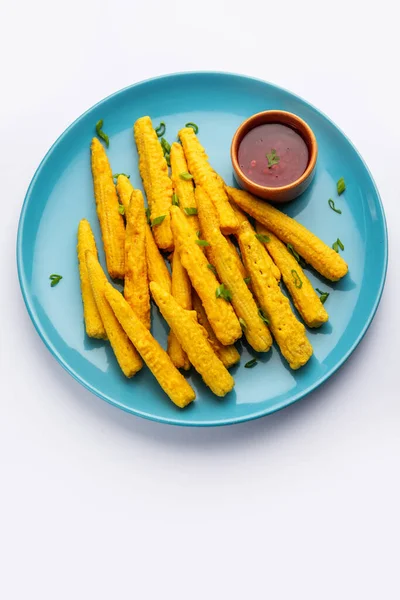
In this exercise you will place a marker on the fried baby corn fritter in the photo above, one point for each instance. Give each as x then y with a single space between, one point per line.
194 341
219 312
111 222
255 330
324 259
304 297
124 190
183 188
170 379
126 355
156 182
93 323
136 289
288 332
157 270
181 290
205 176
242 218
228 355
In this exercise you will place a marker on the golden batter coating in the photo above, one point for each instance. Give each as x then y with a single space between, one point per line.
170 379
288 332
107 205
320 256
93 323
126 355
194 341
156 182
205 176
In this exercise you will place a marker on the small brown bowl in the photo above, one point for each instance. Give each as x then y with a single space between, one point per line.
292 190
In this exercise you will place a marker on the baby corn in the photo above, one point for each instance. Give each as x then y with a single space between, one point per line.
156 182
111 222
124 190
93 323
183 188
324 259
126 355
204 175
288 332
181 290
304 297
219 312
241 218
194 341
170 379
228 355
156 268
136 289
255 330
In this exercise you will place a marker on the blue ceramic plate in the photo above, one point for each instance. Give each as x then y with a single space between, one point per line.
61 194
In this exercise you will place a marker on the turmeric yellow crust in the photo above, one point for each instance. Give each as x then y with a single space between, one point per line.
93 323
157 270
243 218
184 189
219 312
228 355
136 289
181 290
205 176
170 379
320 256
111 222
304 297
157 184
194 341
126 355
255 330
288 332
124 190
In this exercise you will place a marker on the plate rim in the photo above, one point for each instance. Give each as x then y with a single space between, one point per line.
169 420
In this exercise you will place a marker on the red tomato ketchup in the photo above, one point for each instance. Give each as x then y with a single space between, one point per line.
273 155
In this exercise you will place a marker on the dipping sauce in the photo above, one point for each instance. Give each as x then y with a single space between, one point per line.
273 155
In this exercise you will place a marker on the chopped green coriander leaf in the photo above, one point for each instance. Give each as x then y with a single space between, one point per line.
190 211
186 176
223 292
252 363
160 130
99 130
212 268
247 280
324 295
296 279
158 220
175 200
202 243
55 279
341 186
147 211
272 158
262 238
121 209
333 207
193 126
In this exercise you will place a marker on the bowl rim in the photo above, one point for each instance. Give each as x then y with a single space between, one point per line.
281 115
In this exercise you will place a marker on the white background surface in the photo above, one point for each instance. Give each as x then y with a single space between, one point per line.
97 504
